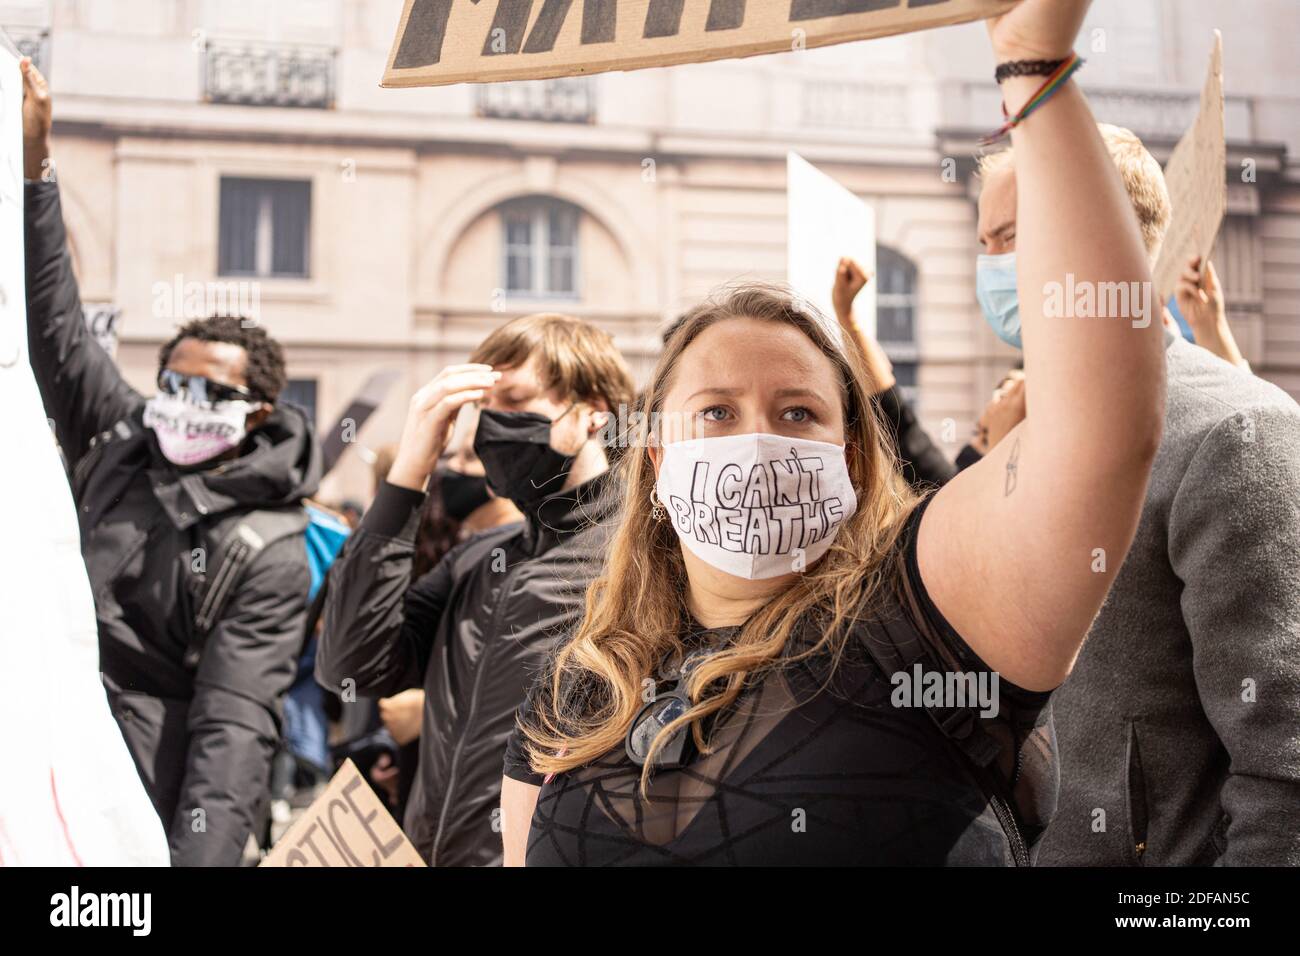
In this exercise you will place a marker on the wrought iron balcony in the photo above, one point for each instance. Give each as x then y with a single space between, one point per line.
571 99
855 104
261 74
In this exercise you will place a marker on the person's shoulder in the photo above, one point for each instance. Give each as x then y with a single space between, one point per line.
1203 387
276 535
1210 398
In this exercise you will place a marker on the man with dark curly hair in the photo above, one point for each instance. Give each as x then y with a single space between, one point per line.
191 528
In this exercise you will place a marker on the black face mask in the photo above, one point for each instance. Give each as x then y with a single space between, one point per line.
462 494
515 448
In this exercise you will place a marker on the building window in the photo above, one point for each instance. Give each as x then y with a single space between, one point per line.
265 228
896 317
301 392
541 248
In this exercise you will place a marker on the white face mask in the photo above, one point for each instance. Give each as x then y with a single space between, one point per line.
191 434
756 506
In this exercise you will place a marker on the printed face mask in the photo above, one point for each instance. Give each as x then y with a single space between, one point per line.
190 434
995 287
756 506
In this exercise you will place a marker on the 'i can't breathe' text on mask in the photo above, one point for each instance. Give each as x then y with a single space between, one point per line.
756 506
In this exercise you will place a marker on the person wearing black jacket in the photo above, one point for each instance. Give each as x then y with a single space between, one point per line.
194 662
923 465
476 629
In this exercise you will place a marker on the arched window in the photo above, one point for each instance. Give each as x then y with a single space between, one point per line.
540 256
896 316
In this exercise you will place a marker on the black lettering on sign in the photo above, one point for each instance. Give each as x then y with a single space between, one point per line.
663 18
598 24
598 21
541 38
425 30
816 9
726 15
506 35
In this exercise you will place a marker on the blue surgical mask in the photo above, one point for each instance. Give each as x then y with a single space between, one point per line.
995 287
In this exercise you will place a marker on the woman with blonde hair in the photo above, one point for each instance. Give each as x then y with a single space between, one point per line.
789 658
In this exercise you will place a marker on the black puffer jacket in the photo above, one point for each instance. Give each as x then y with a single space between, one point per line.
201 735
473 632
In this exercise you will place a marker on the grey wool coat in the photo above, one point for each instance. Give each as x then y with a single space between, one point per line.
1179 728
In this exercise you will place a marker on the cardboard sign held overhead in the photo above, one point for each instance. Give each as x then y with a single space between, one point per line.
827 223
1198 187
482 41
345 826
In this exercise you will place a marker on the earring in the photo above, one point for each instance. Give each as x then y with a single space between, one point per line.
657 511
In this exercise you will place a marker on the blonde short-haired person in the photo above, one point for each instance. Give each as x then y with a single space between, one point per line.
722 700
1179 728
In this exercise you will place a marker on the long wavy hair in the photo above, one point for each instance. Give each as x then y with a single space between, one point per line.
636 610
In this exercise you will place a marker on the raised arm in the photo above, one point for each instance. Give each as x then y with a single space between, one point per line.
924 465
378 632
1019 550
83 390
1200 300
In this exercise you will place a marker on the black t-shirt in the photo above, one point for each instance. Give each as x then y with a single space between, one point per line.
811 766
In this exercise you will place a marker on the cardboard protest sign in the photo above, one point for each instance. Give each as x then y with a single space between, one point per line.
345 826
826 223
70 794
468 41
1198 188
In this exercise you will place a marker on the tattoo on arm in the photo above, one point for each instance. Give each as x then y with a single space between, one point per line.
1013 463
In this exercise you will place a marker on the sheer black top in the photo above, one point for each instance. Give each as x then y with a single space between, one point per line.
812 765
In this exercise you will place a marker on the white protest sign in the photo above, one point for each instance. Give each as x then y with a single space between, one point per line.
460 41
1198 188
345 826
827 223
69 791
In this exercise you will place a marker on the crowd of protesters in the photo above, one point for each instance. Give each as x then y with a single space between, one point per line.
549 640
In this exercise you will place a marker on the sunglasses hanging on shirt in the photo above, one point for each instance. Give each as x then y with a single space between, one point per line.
650 721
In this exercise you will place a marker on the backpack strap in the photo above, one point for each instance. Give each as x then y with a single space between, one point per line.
239 547
898 650
961 725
